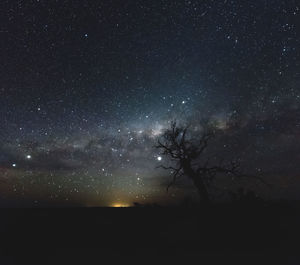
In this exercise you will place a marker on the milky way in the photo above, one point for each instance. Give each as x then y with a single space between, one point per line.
88 87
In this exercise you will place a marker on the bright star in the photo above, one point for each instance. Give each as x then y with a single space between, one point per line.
159 158
28 156
14 165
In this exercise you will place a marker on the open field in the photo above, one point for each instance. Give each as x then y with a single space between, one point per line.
215 235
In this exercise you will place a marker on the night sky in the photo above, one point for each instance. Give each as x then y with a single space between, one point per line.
87 88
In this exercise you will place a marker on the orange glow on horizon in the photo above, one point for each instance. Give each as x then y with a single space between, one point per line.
120 205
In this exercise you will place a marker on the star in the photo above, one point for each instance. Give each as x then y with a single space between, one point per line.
90 108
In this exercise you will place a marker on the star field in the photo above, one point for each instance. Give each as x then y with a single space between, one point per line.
88 87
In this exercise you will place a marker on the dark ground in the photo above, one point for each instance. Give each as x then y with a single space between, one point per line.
220 234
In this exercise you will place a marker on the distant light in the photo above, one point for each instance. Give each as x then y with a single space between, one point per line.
14 165
183 102
28 156
120 205
159 158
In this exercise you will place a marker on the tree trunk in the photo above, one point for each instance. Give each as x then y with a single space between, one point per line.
197 180
202 190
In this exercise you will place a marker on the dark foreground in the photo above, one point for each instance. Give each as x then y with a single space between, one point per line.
215 235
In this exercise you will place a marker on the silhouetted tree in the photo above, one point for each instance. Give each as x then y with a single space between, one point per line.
187 153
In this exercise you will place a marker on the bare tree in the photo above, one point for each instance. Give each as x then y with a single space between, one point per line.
188 156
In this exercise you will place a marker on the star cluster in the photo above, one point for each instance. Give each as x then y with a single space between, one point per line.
88 87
